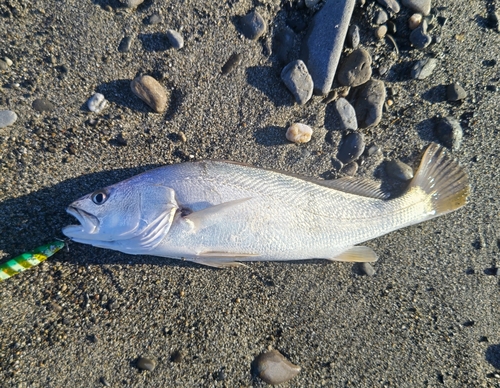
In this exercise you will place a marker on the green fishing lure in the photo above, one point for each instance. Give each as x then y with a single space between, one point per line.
29 259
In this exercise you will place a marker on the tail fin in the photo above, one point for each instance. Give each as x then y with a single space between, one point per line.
440 176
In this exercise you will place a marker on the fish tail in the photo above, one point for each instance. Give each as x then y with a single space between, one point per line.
29 259
442 179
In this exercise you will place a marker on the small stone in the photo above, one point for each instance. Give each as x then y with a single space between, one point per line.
419 37
297 79
299 133
350 169
399 170
380 17
391 5
369 104
351 148
7 117
175 39
154 19
97 103
381 32
253 25
284 42
423 68
145 363
43 105
104 382
232 63
391 27
450 133
373 149
125 44
8 61
367 269
455 92
150 91
420 6
177 356
346 115
414 21
3 65
131 3
273 368
353 37
356 69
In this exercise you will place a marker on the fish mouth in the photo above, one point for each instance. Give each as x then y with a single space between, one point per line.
89 223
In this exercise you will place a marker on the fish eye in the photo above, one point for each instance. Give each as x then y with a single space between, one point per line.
99 197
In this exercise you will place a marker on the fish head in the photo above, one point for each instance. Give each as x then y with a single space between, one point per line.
137 212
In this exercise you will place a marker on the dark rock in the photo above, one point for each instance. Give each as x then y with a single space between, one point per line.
145 363
298 81
370 99
324 42
273 368
423 68
43 105
350 169
380 17
125 44
232 63
455 92
353 37
419 37
346 115
356 69
449 131
351 148
253 25
399 170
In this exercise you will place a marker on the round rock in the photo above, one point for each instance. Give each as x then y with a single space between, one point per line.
350 169
175 39
356 69
414 21
421 6
125 44
381 32
97 103
455 92
346 115
399 170
43 105
273 368
298 80
253 25
145 363
370 99
7 117
380 17
299 133
150 91
351 148
353 37
449 131
419 37
423 68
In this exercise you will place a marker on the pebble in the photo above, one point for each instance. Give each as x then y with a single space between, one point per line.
351 148
299 133
449 131
353 37
284 41
253 25
346 115
423 68
455 92
381 32
419 37
175 39
154 19
3 65
7 117
145 363
369 103
104 382
391 5
97 103
323 46
356 69
43 105
150 91
131 3
399 170
420 6
8 61
298 80
367 269
273 368
232 63
414 21
125 44
380 17
350 169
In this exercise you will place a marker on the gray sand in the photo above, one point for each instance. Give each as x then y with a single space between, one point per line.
428 318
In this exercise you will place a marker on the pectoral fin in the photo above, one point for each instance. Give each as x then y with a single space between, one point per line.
358 254
204 217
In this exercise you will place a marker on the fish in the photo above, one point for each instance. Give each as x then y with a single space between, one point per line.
28 259
223 214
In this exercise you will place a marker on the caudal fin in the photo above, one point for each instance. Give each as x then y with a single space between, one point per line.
440 176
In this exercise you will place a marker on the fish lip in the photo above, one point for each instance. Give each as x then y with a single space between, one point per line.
89 223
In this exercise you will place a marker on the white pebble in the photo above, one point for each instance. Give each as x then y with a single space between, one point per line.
97 103
414 21
299 133
8 61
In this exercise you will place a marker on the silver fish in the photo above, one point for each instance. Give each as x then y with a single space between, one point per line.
222 213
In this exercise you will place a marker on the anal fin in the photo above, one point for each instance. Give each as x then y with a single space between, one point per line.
358 254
